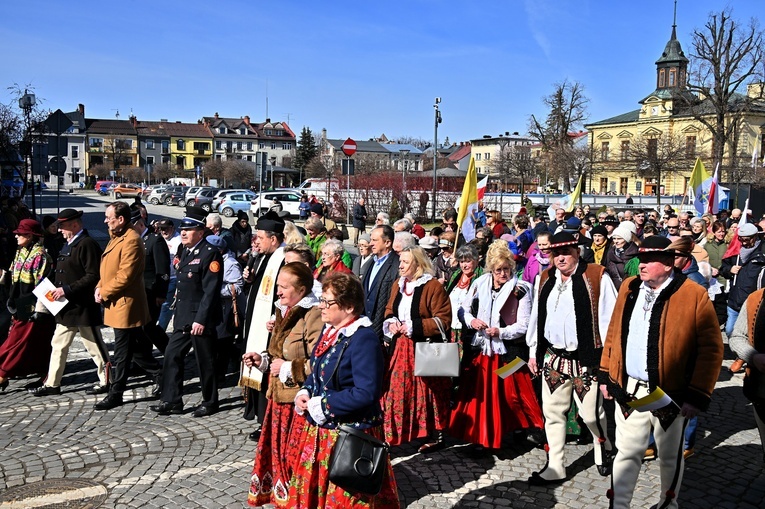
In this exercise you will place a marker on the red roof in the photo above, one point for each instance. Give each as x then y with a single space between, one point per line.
460 153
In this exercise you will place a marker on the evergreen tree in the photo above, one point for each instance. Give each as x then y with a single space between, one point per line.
306 149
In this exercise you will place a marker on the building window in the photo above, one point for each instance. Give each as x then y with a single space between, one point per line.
201 146
239 145
218 157
249 146
661 78
478 156
149 159
672 73
180 145
149 144
96 142
180 161
218 145
622 185
603 185
487 156
229 146
75 151
604 151
273 145
690 147
223 130
653 148
165 147
242 130
123 144
262 145
269 132
625 150
249 158
287 146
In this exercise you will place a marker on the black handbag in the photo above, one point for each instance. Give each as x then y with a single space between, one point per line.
358 460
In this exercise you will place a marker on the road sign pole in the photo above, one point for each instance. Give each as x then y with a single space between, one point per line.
348 193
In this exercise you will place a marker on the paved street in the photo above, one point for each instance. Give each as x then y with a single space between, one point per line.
129 457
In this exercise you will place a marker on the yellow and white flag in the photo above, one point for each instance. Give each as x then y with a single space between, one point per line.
657 399
510 368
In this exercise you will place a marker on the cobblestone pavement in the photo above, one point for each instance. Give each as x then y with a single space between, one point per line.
145 460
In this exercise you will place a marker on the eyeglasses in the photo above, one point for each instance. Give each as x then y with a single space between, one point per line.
672 227
502 270
326 303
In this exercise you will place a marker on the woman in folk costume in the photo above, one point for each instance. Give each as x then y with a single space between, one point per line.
458 286
415 407
497 308
27 349
294 332
344 387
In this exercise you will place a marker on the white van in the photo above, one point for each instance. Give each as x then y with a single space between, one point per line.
319 186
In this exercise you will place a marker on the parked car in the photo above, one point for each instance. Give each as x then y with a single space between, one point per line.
223 192
169 191
127 190
232 203
175 197
102 186
155 196
192 192
290 201
204 198
148 189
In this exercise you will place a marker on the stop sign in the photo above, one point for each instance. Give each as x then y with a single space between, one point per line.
349 147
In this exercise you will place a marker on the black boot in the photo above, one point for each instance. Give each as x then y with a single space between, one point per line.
435 444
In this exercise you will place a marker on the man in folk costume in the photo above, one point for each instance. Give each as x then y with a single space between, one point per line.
748 342
664 335
568 320
262 276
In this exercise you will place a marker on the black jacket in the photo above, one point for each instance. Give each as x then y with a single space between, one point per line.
197 296
376 297
359 216
78 270
156 274
748 279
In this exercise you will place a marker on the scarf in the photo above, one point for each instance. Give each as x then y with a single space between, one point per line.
747 252
599 251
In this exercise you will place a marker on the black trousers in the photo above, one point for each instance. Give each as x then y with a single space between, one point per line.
156 334
131 345
204 351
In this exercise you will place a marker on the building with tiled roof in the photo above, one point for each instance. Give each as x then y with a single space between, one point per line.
111 143
238 138
668 117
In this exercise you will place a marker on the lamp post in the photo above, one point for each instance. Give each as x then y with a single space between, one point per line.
435 154
404 156
26 103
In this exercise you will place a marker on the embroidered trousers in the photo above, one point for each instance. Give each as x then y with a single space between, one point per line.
555 406
631 441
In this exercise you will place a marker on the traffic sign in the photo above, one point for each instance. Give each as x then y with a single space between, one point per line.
349 147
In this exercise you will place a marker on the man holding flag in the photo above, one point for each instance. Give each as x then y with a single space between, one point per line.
660 362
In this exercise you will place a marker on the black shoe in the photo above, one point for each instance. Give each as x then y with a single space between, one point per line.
97 389
4 385
33 385
538 480
204 411
45 390
156 388
109 402
604 469
255 436
165 408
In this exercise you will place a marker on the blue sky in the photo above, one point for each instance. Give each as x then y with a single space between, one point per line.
358 69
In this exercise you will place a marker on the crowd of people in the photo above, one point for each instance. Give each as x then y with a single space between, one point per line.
551 319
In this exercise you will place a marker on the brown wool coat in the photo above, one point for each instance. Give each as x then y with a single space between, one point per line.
433 302
293 339
690 348
121 284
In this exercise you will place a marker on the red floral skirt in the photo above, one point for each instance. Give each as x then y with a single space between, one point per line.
27 349
487 406
413 406
310 487
275 455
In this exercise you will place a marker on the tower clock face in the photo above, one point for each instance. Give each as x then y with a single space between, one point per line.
654 111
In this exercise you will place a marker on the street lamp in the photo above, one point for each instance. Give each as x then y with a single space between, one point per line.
435 154
404 155
26 103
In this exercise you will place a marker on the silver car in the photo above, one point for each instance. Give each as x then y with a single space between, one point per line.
223 192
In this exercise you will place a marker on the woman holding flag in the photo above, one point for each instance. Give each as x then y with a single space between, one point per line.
495 394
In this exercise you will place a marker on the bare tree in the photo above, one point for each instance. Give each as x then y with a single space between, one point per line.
241 172
215 169
657 155
726 56
567 112
162 172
